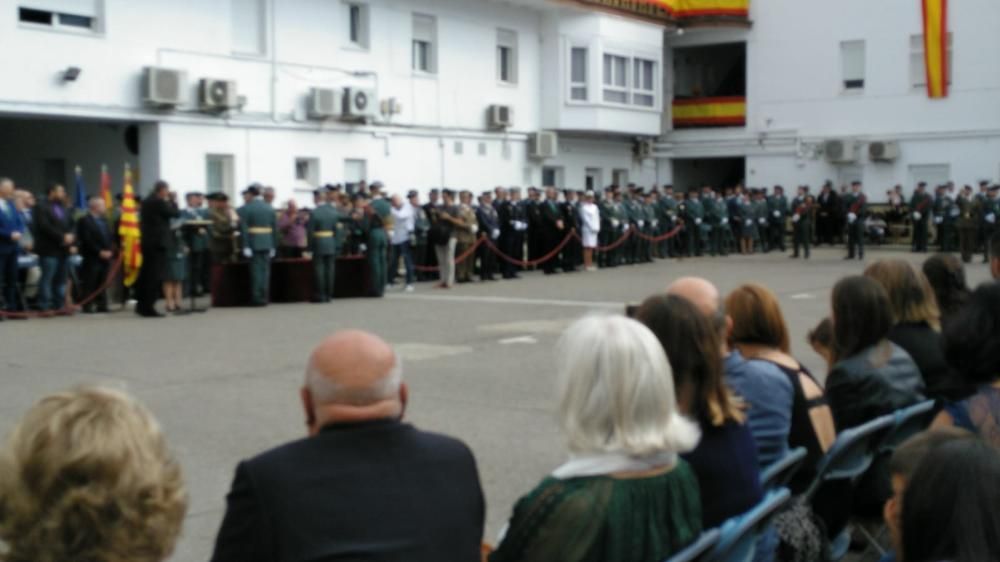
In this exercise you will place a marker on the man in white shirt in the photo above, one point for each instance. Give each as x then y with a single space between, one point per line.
404 224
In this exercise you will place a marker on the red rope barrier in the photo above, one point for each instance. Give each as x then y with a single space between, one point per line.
662 237
76 306
528 263
458 259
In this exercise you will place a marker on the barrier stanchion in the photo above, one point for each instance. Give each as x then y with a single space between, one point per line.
76 306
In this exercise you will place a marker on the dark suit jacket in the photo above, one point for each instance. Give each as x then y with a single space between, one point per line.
154 222
50 230
91 239
8 226
374 491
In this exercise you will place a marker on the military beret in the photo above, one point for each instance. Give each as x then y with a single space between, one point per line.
217 196
254 190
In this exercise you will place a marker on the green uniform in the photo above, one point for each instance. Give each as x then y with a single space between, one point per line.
605 237
801 226
258 232
695 213
323 229
710 224
966 223
777 215
988 213
759 209
221 236
378 243
668 220
920 206
951 213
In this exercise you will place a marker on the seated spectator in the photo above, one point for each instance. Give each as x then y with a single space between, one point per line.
820 339
760 334
950 505
946 274
725 460
763 386
917 324
904 462
363 485
624 494
994 253
871 376
86 476
972 347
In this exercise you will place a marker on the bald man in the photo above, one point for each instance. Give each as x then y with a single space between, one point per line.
765 388
363 485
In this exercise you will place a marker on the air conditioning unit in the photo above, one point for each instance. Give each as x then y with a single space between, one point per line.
359 103
162 87
217 95
322 103
643 149
883 151
543 144
840 151
500 116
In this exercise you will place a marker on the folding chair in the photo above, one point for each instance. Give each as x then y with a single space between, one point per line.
782 471
848 458
696 551
738 540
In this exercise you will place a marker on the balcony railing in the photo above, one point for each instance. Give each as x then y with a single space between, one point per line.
730 111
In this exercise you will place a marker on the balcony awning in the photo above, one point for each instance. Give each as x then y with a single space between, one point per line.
710 112
681 12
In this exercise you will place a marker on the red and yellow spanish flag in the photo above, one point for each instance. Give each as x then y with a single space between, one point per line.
106 189
684 9
128 231
936 47
710 112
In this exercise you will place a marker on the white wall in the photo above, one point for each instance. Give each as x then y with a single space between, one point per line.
794 93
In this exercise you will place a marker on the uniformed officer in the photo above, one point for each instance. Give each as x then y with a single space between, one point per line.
966 223
573 252
225 223
802 208
951 213
379 217
489 226
197 243
856 205
989 212
920 206
258 234
605 201
777 207
723 231
712 220
515 243
324 223
693 223
619 221
760 215
668 217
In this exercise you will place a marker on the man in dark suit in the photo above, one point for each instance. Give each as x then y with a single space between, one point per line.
11 231
54 242
828 215
154 223
552 229
489 225
96 248
363 485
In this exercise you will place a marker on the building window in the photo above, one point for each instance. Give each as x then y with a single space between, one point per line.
552 176
615 79
482 149
357 21
578 74
249 26
219 173
424 40
592 179
80 15
918 72
307 171
355 171
643 90
852 64
619 177
507 56
459 148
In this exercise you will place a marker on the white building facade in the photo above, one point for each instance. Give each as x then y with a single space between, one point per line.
464 94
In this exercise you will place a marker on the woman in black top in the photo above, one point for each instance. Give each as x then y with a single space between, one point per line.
917 326
760 334
947 278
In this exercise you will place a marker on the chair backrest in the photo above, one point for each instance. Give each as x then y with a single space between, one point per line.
739 534
852 453
908 422
782 471
696 551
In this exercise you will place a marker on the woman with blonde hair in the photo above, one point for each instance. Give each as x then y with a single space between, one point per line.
917 325
86 476
624 494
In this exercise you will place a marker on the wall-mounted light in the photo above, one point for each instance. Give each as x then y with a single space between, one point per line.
71 74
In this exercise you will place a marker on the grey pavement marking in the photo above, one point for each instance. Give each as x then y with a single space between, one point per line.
518 339
509 300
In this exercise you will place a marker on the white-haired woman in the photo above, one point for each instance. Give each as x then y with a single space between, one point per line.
86 476
624 494
590 226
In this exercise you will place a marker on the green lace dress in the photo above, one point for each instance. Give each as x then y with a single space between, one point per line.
605 519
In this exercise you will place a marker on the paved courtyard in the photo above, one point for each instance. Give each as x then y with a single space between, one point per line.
478 360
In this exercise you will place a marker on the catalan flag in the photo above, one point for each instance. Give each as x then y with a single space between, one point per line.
936 47
128 231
